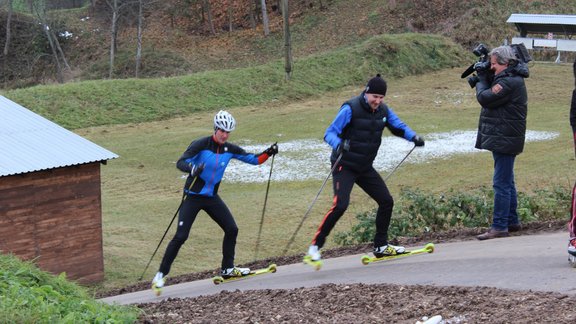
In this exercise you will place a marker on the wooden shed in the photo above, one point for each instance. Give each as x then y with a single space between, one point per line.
50 195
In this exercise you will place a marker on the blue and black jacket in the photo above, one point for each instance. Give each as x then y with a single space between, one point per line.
357 122
215 158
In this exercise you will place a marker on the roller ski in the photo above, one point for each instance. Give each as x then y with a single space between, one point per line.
158 283
241 273
313 258
316 264
390 252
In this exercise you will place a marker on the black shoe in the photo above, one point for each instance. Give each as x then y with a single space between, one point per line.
492 233
515 227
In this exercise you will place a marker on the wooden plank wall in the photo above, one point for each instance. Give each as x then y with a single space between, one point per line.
55 218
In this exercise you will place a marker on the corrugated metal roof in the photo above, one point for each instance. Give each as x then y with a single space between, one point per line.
542 24
30 142
542 19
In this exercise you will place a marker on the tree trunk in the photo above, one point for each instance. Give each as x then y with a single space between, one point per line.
40 12
252 11
229 15
113 34
59 48
139 42
265 18
59 76
287 41
209 14
8 30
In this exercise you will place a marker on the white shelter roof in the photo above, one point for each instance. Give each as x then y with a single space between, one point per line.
543 24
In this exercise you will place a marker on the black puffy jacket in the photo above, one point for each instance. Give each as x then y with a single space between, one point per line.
502 125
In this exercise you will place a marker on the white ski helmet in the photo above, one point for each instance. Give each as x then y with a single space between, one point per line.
224 121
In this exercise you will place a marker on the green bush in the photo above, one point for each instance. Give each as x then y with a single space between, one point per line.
29 295
416 212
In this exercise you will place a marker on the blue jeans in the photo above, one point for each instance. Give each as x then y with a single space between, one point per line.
505 197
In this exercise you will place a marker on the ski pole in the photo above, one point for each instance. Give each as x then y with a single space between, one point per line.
163 236
396 167
312 204
263 210
198 171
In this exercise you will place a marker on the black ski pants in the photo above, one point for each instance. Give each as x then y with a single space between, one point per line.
343 179
219 212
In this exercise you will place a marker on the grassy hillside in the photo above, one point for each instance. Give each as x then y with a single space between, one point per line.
93 103
176 41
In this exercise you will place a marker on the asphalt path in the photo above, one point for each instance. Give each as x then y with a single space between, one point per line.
523 262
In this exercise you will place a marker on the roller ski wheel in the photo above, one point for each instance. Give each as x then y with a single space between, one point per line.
428 248
572 260
317 265
220 280
157 290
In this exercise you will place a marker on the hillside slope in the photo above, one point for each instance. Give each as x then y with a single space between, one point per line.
176 39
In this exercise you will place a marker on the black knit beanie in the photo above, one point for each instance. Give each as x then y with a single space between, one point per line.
376 85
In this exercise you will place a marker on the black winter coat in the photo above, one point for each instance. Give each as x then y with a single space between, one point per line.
502 125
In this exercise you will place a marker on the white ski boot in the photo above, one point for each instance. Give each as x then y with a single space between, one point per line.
387 250
572 252
158 283
234 272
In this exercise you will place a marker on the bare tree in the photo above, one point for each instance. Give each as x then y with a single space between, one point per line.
265 18
139 39
287 41
115 6
253 9
113 34
8 29
208 10
229 15
7 43
39 10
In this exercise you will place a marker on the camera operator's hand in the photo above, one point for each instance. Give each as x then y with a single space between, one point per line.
481 66
418 141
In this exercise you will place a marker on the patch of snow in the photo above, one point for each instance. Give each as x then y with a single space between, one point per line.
310 159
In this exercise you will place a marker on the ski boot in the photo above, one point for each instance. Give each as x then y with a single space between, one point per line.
388 250
234 272
313 257
572 252
158 283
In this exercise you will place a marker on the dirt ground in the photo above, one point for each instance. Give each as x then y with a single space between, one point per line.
361 303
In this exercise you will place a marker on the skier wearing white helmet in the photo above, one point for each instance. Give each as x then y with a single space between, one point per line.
224 121
205 161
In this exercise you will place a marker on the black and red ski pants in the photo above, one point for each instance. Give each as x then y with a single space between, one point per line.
219 212
572 223
343 179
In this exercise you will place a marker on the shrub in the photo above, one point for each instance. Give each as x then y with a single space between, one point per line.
416 212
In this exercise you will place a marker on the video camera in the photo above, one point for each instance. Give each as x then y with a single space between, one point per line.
483 63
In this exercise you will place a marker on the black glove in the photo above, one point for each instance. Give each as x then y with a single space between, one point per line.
418 141
272 150
344 146
196 170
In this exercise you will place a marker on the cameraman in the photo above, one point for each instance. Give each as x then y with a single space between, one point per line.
502 128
